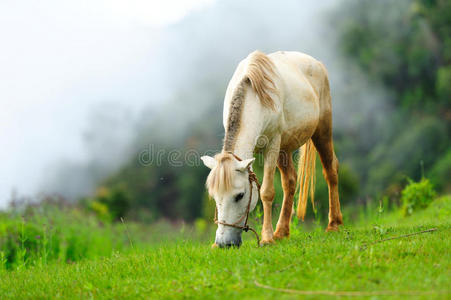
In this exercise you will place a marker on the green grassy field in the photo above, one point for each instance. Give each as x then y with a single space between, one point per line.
311 264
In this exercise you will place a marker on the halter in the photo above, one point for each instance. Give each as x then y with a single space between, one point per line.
252 178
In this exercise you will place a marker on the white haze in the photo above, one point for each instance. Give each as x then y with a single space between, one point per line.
74 83
59 60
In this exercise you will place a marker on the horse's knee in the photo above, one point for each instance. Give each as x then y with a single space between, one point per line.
267 194
291 185
331 172
335 164
331 176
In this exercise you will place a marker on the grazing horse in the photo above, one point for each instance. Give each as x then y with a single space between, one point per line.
274 104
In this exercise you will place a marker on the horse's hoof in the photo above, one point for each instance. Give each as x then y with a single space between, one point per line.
266 242
333 225
214 246
278 235
332 228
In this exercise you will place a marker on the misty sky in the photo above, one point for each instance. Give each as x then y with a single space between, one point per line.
78 79
58 60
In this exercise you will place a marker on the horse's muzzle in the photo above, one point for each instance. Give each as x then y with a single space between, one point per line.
227 243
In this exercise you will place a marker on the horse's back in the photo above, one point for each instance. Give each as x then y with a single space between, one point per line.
301 78
296 67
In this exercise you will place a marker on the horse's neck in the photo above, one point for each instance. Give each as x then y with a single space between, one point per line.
241 139
247 137
245 145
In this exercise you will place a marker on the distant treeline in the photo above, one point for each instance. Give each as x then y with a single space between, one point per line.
406 45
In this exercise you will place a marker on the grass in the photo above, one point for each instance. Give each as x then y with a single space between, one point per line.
48 233
308 261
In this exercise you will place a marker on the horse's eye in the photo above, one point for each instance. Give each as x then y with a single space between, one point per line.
239 197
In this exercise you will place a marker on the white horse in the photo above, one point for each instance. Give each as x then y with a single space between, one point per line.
275 104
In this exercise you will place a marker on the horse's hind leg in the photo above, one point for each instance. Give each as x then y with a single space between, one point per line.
325 147
288 176
322 138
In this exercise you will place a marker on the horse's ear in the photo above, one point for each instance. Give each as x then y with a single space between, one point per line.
209 161
244 164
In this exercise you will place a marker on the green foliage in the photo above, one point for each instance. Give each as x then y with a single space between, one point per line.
116 200
418 141
417 195
159 189
100 209
406 45
440 173
403 43
51 234
443 83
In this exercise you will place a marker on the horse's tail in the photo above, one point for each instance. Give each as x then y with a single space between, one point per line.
306 177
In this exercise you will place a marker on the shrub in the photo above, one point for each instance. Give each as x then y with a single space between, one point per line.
101 210
417 195
110 203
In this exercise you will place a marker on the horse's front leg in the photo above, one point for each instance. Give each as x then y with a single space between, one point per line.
288 177
267 191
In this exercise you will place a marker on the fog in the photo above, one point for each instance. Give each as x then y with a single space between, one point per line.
61 60
81 84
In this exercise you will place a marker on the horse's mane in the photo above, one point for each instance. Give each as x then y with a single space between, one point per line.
220 178
258 74
259 71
